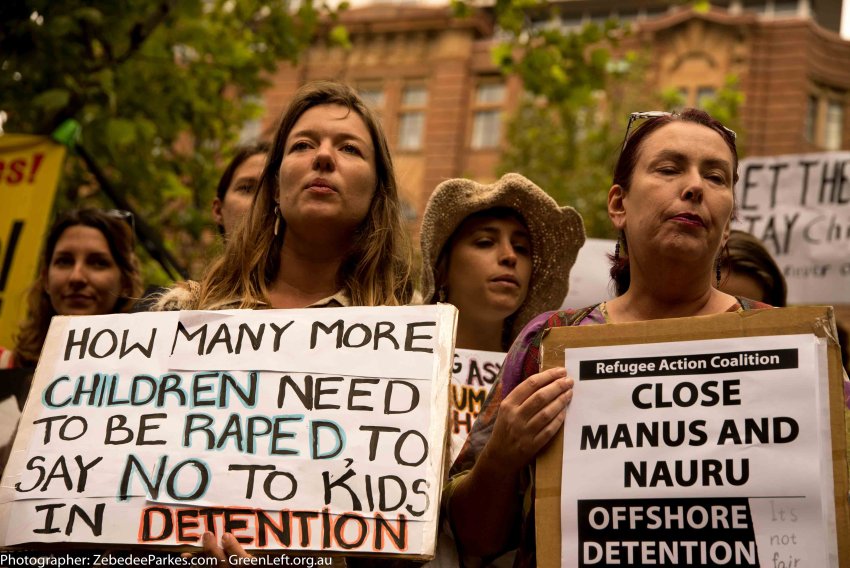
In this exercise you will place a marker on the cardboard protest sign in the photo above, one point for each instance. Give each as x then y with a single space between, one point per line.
473 375
29 172
799 206
319 430
710 441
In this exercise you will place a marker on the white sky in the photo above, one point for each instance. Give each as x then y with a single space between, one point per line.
845 19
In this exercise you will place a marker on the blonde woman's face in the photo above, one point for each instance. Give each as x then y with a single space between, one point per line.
327 175
82 277
490 267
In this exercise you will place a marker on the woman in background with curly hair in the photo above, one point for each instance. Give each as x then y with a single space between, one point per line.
88 268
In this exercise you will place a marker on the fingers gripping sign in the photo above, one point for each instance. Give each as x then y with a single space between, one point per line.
529 417
228 552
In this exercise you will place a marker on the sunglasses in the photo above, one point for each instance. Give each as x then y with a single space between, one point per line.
123 215
639 118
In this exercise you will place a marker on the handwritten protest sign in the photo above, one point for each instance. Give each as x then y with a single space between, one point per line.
293 429
799 206
704 451
473 375
29 171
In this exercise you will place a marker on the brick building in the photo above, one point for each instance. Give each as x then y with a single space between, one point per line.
443 102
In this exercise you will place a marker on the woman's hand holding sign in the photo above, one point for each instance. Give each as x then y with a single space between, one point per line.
528 419
484 508
228 549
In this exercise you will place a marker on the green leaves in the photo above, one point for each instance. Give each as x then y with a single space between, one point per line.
52 100
339 36
161 89
121 132
554 137
502 56
567 132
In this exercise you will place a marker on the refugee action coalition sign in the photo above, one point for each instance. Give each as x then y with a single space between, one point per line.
313 430
712 452
799 206
473 375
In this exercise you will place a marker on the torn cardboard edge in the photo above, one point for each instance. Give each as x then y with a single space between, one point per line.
816 320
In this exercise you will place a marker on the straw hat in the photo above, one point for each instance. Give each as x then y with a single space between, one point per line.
557 233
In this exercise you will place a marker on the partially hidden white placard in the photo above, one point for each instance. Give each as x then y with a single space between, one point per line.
473 375
314 430
699 453
799 207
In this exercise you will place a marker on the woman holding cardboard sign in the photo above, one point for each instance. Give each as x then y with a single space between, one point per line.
88 267
325 227
672 201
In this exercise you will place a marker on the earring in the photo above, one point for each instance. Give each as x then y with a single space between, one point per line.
276 220
441 294
717 271
617 251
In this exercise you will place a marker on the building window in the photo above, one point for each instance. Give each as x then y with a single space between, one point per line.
487 116
705 95
252 128
811 121
786 7
834 126
759 6
373 96
411 118
824 120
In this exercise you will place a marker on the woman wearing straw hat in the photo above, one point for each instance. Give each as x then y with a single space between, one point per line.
501 253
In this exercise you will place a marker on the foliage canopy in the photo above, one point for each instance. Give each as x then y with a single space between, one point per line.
161 89
580 87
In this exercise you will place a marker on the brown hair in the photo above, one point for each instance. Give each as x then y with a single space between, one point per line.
242 154
626 163
121 240
377 270
746 255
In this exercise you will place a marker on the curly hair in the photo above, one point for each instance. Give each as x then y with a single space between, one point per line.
746 255
121 239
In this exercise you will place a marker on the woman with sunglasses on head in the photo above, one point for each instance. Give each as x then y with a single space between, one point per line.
672 201
88 268
325 227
